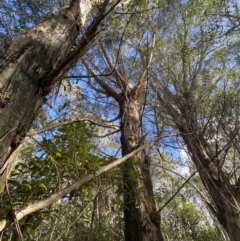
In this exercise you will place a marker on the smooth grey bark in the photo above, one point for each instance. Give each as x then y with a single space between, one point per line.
31 66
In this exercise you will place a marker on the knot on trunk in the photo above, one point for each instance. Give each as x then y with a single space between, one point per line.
155 217
18 137
4 98
146 225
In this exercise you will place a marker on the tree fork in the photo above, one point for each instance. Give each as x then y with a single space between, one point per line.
142 222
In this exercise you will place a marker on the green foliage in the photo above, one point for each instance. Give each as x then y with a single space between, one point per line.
184 221
190 55
62 159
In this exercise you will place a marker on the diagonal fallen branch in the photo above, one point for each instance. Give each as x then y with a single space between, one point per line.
32 208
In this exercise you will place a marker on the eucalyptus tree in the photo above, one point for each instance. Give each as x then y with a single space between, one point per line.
196 82
36 60
117 69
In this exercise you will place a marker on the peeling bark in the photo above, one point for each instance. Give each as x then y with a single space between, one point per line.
30 67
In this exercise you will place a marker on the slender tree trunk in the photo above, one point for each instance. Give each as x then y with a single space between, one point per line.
225 199
30 67
142 223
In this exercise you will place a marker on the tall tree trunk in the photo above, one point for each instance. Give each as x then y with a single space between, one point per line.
224 196
30 67
142 223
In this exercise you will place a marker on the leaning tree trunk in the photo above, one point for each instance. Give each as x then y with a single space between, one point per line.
225 197
142 222
31 66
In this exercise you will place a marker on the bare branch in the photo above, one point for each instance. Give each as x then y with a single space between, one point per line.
174 195
110 91
141 85
49 128
10 159
117 75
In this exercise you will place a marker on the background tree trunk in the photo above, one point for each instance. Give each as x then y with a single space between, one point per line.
225 205
224 197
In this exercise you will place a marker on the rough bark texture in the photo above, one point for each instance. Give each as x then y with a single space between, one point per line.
30 58
142 222
224 196
30 67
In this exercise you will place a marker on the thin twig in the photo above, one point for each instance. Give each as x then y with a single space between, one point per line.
49 128
174 195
